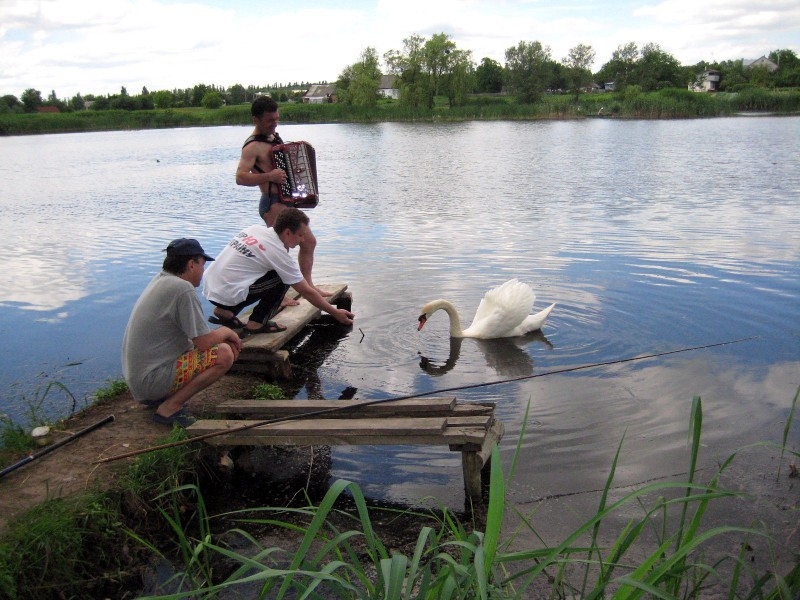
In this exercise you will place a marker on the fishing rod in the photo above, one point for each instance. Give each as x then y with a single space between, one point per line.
366 403
67 440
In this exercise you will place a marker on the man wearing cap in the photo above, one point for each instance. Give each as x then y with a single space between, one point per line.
169 353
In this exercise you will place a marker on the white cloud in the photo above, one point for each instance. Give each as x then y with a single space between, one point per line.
70 46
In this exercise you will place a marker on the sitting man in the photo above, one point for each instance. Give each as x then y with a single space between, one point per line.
256 267
169 353
255 169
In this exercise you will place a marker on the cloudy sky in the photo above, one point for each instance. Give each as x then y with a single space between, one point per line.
75 46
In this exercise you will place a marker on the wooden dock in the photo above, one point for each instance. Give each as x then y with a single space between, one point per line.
263 353
469 428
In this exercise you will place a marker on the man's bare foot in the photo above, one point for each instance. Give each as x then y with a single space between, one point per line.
323 293
288 302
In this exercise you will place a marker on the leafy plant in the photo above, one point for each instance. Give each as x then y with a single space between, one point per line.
267 391
114 388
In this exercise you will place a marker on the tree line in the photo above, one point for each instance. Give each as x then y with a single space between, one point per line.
429 67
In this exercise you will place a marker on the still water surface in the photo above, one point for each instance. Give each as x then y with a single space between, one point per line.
649 236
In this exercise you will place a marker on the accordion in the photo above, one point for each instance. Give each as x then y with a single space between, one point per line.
299 161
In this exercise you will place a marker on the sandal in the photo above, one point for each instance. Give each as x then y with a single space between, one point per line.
268 327
181 418
233 322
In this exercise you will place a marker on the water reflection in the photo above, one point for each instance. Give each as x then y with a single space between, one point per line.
645 241
508 357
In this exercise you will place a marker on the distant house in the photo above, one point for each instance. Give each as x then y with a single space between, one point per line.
48 109
320 94
388 87
609 86
762 62
707 81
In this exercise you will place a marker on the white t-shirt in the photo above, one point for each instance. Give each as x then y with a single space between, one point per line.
251 254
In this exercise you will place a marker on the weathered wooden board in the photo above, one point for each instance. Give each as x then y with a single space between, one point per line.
266 409
294 318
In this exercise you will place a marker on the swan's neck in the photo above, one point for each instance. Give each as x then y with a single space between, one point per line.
455 320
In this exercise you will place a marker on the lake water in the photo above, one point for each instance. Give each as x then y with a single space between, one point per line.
651 236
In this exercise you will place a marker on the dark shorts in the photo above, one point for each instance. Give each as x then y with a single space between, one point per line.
267 200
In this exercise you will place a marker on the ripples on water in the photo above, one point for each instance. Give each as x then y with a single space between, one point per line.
650 236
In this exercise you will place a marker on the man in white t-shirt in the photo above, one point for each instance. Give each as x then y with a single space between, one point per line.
256 267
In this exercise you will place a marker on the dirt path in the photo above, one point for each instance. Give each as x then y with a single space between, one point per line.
73 468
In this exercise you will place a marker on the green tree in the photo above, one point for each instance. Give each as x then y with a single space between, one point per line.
578 67
788 73
489 76
416 89
358 83
10 103
31 99
212 99
461 78
620 69
732 74
657 69
527 68
163 99
124 102
77 103
195 97
101 103
237 94
437 59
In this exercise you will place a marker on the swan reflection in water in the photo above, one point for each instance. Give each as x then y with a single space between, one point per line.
507 356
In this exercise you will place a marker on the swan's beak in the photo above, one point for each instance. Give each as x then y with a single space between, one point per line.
422 318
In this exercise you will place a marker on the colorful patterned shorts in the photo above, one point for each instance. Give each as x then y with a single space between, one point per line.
190 364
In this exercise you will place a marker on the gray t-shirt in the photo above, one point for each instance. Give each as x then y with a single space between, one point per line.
164 320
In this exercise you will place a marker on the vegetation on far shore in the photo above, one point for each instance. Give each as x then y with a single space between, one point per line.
633 103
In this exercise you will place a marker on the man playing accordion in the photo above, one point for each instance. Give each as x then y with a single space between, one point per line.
255 169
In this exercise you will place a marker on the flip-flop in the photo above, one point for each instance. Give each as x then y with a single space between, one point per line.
182 418
233 322
268 327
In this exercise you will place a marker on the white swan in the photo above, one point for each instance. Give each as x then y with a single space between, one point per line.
503 312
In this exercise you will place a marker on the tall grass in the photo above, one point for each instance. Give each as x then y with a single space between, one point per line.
659 554
77 546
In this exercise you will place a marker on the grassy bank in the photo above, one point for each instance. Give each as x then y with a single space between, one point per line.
97 545
632 104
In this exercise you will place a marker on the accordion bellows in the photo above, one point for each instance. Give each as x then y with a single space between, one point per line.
299 161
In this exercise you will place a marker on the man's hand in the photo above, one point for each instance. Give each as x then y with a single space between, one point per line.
277 176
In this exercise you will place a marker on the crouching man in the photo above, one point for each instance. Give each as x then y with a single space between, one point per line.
169 353
256 268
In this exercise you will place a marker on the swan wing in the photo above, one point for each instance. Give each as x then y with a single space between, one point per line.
501 310
533 322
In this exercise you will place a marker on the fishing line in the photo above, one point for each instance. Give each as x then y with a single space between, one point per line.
359 405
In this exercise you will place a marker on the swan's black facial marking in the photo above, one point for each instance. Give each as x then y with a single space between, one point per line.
422 318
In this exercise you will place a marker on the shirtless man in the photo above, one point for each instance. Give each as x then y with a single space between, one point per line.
255 170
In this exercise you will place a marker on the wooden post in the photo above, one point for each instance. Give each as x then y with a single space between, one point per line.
472 463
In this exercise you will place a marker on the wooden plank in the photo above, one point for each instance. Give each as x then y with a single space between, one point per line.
266 409
294 318
479 422
368 428
457 438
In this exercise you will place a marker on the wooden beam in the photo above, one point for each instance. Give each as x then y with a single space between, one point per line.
266 409
294 318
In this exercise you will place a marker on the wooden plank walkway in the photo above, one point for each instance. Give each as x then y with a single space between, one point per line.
469 428
263 352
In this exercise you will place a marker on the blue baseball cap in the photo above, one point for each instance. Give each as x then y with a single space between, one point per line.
186 247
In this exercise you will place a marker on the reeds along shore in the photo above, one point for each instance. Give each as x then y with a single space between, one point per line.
670 103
